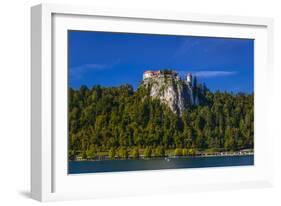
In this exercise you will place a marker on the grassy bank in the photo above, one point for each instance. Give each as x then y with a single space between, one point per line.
147 153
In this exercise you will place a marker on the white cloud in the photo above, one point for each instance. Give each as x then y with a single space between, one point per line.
89 67
79 71
186 46
210 74
94 66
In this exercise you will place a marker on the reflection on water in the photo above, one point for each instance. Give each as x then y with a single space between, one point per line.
76 167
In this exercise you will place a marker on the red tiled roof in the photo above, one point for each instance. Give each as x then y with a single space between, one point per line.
152 72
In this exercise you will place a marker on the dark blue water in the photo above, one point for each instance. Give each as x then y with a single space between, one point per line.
76 167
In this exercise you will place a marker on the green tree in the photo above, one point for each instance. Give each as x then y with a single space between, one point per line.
147 152
178 152
123 153
91 152
159 152
191 152
135 153
102 118
112 153
184 152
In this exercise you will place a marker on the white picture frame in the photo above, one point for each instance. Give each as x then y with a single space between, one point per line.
49 178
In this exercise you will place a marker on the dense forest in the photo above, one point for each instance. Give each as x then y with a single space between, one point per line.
118 122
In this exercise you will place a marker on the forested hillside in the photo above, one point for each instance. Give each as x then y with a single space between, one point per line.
119 122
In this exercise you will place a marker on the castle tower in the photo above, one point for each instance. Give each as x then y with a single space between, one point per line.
189 79
147 74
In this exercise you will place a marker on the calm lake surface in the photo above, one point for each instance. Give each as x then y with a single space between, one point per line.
76 167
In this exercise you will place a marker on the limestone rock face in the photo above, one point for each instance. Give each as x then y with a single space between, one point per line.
175 93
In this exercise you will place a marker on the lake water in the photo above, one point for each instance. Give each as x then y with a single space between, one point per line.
76 167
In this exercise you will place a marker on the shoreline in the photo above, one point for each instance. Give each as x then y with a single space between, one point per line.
169 157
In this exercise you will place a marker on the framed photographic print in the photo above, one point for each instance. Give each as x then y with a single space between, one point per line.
135 102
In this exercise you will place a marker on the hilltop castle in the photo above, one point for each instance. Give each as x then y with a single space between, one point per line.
170 89
166 73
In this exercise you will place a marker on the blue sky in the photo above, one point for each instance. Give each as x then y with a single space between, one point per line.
112 59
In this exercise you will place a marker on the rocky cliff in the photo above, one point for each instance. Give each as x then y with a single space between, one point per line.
177 94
